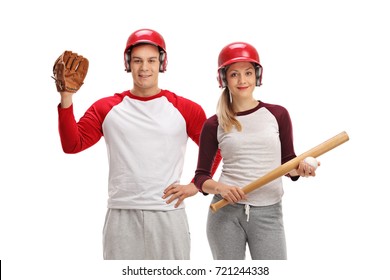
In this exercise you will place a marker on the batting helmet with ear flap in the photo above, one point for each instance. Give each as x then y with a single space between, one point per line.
146 36
236 52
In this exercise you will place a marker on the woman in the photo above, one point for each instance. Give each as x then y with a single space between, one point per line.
254 138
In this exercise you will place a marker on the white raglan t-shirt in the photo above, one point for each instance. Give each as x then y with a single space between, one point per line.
265 142
146 143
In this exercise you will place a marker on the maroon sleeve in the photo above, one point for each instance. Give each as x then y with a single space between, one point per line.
286 137
285 133
208 152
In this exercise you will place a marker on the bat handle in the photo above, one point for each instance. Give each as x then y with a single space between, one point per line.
218 205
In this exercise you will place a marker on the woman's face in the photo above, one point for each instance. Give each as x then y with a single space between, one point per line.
241 79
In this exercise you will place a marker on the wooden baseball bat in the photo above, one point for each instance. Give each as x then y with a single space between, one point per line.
288 166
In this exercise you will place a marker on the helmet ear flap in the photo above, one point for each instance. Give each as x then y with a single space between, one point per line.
222 77
127 61
259 74
163 61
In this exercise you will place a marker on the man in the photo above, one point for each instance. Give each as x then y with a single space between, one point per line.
146 131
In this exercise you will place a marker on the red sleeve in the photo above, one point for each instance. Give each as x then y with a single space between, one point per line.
78 136
195 118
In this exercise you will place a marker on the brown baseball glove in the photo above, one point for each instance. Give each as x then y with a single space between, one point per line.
69 71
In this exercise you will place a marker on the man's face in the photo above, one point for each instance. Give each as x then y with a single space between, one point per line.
145 64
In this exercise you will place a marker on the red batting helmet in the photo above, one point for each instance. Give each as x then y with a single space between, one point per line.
146 36
236 52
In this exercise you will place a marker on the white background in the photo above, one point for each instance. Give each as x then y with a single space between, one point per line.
327 62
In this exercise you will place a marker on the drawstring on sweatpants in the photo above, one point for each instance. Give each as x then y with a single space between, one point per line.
247 208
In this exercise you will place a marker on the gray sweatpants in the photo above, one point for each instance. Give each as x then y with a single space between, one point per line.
146 235
229 231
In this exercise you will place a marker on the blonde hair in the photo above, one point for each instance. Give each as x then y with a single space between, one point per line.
225 113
